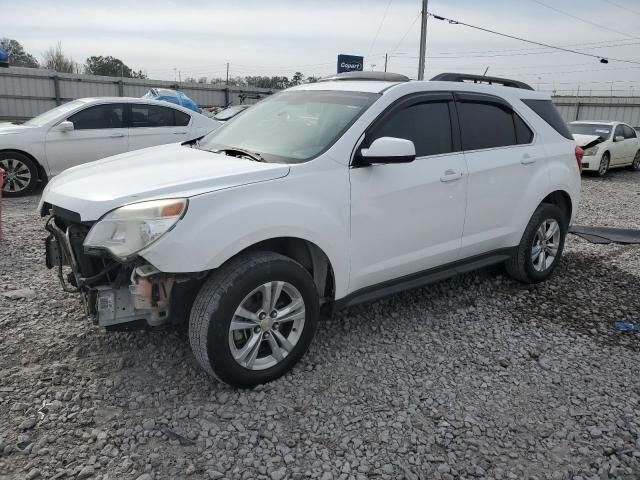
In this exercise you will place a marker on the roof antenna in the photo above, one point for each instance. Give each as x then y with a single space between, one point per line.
485 72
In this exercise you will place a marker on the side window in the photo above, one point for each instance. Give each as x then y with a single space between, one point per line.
427 125
151 116
524 134
619 132
181 119
486 125
98 117
629 132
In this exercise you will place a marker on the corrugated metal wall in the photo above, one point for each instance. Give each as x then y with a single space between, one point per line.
27 92
622 109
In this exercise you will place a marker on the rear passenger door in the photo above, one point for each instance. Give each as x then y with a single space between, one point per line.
630 143
408 217
151 125
502 158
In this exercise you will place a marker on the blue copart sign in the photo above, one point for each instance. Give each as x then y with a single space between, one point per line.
350 63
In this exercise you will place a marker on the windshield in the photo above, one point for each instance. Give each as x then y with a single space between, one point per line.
227 113
52 114
603 131
291 127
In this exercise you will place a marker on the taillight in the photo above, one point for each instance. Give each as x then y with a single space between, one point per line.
579 155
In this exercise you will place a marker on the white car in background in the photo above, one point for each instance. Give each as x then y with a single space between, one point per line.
88 129
606 145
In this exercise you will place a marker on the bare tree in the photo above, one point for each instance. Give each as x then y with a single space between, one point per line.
55 59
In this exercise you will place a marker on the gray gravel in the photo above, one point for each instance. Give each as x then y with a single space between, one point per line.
476 377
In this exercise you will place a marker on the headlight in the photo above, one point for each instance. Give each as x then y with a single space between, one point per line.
589 152
127 230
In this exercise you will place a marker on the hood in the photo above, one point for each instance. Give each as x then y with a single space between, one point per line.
586 141
7 128
166 171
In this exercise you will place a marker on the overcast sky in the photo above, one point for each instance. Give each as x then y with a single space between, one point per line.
280 37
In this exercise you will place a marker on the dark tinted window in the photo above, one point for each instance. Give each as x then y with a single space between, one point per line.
427 125
99 116
151 116
181 119
546 111
486 125
629 132
618 132
524 134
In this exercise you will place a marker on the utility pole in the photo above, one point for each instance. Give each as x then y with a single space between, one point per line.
227 73
386 57
179 76
423 41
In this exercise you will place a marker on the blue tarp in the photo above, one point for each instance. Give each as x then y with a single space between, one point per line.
172 96
4 58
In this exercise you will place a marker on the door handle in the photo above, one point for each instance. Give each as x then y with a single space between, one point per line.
451 176
117 135
527 159
179 133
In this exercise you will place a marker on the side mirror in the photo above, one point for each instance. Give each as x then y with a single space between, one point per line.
66 126
618 138
387 150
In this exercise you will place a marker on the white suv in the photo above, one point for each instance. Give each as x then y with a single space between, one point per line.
319 197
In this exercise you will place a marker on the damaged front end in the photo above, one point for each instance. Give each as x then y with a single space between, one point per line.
113 292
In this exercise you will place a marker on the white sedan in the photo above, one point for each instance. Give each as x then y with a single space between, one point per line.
606 145
89 129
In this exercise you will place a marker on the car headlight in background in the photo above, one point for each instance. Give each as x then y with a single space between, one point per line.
591 151
127 230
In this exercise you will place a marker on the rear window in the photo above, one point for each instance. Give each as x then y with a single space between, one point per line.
546 111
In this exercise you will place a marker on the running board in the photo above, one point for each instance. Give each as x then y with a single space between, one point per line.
606 235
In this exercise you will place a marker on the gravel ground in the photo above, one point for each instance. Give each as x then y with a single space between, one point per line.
476 377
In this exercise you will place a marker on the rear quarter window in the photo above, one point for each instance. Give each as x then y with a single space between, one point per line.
547 111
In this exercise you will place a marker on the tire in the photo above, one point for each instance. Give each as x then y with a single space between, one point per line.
603 168
241 282
635 166
521 266
21 174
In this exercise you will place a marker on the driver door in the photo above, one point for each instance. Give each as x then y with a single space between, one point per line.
409 217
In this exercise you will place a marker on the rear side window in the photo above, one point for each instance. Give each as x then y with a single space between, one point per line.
524 134
181 119
98 117
546 111
152 116
427 125
485 125
629 132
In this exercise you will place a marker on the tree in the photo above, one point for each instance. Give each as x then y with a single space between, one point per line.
312 79
17 56
297 78
110 67
202 80
55 59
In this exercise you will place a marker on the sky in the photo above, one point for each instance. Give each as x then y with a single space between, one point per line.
167 39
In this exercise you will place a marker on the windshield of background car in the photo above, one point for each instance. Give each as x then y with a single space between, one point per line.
228 113
52 114
291 127
603 131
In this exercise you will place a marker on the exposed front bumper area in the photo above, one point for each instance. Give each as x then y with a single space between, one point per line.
591 163
113 293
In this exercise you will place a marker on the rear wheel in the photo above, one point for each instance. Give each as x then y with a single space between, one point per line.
254 318
604 165
635 166
541 246
21 174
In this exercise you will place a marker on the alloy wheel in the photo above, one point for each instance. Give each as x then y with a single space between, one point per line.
604 165
545 245
17 175
636 162
267 325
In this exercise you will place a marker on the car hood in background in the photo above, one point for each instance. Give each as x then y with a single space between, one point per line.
11 129
586 141
166 171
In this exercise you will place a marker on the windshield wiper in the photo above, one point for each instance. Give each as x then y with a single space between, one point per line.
240 152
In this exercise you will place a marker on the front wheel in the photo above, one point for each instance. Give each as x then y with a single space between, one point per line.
541 246
21 174
254 318
603 168
635 166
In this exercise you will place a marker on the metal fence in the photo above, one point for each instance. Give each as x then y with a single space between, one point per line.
27 92
622 109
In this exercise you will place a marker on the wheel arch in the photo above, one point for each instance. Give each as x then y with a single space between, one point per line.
42 174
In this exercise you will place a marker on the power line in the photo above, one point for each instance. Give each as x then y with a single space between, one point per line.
395 49
582 19
623 7
384 16
457 22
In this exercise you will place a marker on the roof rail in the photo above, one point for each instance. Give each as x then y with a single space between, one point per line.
376 76
467 77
